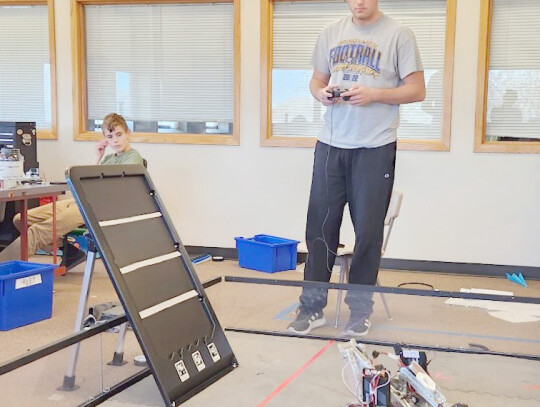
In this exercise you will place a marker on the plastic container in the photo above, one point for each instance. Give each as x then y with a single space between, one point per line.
78 238
266 253
11 163
26 291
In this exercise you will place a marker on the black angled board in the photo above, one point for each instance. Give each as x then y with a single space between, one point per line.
177 329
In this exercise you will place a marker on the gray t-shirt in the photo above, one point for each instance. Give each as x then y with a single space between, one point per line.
379 55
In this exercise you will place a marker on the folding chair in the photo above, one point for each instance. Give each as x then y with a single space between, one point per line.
345 253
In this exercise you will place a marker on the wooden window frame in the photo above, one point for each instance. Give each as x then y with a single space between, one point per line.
443 144
45 134
80 103
480 143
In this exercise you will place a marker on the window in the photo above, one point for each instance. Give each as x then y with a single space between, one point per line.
27 64
170 68
508 95
290 115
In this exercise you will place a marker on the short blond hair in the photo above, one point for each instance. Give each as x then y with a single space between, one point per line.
112 120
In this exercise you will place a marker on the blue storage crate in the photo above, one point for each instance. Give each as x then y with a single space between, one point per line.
26 291
266 253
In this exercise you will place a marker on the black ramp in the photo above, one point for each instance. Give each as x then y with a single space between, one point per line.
152 273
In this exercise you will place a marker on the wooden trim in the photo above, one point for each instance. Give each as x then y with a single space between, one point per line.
46 134
80 103
267 12
78 52
422 145
149 2
480 143
448 81
237 84
52 58
289 142
443 144
403 144
481 83
165 138
513 147
24 2
49 134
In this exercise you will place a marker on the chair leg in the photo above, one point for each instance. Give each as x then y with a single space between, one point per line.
344 276
343 272
385 303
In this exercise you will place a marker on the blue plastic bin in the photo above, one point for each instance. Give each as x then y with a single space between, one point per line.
26 291
266 253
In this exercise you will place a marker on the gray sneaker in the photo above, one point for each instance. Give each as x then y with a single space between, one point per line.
306 321
357 326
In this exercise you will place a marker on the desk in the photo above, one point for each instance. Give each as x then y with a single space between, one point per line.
23 194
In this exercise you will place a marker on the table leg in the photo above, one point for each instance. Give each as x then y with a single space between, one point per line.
24 230
55 238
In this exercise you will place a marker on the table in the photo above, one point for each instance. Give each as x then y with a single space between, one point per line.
23 194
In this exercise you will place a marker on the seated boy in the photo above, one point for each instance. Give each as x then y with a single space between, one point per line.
68 217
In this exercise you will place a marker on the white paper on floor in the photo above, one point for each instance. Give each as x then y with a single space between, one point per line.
507 311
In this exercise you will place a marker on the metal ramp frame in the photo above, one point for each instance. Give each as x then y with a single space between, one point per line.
154 278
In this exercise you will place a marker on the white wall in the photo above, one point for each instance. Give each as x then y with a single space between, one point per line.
459 206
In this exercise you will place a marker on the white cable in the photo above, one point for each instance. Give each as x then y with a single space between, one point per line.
373 391
364 403
354 393
387 381
323 239
345 381
326 182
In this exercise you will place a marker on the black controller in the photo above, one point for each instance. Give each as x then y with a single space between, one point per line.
337 93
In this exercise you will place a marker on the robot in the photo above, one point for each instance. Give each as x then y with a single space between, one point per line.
411 386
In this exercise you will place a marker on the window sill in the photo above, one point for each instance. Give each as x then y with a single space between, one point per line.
46 134
230 140
409 145
512 147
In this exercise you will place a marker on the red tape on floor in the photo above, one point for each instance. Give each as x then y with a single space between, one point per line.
295 374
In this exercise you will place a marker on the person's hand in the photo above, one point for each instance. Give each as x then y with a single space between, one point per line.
324 95
360 95
100 149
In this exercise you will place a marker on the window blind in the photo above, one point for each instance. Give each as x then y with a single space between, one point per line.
513 102
161 62
296 27
25 80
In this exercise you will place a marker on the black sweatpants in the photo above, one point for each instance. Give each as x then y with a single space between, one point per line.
363 178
